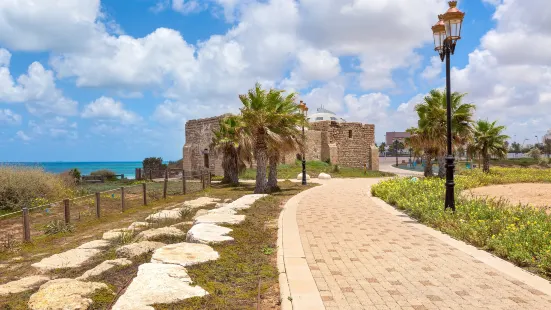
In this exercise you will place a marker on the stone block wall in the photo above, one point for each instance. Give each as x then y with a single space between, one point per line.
313 145
345 144
353 142
199 134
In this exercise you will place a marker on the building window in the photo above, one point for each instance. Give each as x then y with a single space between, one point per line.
350 134
319 118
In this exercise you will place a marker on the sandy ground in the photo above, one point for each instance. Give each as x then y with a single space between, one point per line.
534 194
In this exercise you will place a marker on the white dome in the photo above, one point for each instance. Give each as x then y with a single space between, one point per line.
324 115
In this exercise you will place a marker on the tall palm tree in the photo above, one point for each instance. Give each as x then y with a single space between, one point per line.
489 140
433 123
267 115
231 139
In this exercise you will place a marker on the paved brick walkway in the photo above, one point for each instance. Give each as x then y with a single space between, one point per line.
363 257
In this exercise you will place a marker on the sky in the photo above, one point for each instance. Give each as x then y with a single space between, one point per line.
114 80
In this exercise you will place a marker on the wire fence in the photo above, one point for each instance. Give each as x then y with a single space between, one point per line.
64 215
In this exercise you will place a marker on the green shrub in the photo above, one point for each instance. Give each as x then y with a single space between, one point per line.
31 186
519 233
108 174
56 227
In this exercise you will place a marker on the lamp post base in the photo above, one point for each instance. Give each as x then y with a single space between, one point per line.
450 184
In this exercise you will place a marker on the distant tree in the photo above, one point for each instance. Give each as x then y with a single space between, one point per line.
547 147
534 153
515 147
489 141
152 164
525 149
382 147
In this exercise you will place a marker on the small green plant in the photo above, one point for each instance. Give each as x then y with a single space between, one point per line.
336 169
126 237
58 226
9 244
186 213
267 250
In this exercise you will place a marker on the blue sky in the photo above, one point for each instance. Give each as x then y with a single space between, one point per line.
116 80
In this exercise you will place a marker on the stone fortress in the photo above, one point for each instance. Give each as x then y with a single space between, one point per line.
329 138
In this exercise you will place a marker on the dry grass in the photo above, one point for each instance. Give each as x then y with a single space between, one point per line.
31 186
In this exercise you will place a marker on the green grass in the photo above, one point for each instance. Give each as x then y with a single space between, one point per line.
313 169
246 264
522 162
520 234
232 281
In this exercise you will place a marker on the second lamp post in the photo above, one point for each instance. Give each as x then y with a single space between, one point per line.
304 110
446 34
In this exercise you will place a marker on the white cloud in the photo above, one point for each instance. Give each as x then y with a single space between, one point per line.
36 89
5 58
108 108
370 108
7 117
21 135
187 6
433 70
318 65
124 61
58 25
509 77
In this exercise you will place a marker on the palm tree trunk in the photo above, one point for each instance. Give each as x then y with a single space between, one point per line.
226 166
234 169
272 175
260 155
441 166
428 166
486 161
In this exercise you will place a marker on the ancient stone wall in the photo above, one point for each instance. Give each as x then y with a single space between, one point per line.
199 135
353 141
313 145
345 144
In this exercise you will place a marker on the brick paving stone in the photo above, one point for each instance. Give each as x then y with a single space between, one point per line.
363 257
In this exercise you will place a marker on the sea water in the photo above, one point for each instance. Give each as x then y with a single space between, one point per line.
85 168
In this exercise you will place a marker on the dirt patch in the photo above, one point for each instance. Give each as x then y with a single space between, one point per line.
533 194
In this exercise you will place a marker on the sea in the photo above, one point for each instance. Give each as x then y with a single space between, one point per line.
126 168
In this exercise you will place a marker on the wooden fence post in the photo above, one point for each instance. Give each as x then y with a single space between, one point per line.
184 189
98 205
26 225
122 199
67 211
203 179
150 175
165 187
144 194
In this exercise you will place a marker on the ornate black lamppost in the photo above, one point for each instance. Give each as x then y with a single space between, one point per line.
304 110
446 34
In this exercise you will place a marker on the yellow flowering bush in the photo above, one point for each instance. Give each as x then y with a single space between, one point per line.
520 234
30 186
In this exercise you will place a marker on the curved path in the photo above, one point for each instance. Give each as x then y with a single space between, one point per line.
386 165
342 249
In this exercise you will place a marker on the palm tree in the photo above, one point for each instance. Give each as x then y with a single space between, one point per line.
267 115
489 141
231 139
420 139
433 122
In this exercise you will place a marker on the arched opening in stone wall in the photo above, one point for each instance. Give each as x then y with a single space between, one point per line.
206 158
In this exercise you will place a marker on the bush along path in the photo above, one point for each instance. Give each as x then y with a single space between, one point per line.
164 261
520 234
